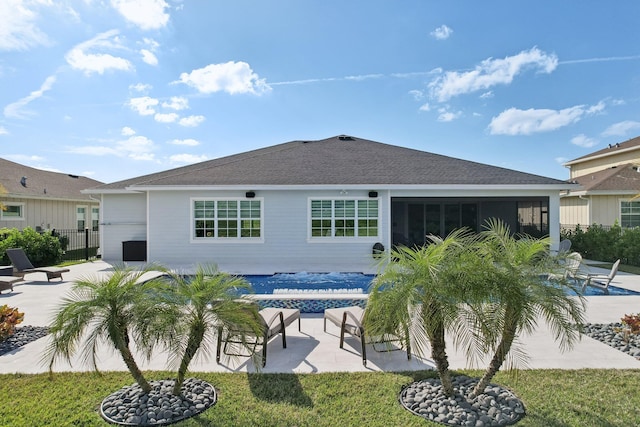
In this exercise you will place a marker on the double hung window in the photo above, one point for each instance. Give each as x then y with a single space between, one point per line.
629 214
12 212
348 218
226 219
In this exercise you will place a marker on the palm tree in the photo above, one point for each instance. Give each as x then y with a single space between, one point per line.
111 309
516 274
203 303
420 292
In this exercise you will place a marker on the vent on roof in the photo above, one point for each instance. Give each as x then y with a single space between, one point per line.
345 138
74 176
23 181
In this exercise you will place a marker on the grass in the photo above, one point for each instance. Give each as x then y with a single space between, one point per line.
632 269
555 398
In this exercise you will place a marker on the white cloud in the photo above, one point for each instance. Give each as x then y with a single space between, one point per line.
417 94
491 72
177 103
190 142
446 115
146 14
94 150
231 77
141 87
18 28
525 122
3 131
425 107
187 158
487 95
166 117
137 147
80 58
148 57
127 131
583 141
144 105
16 109
621 128
191 121
442 32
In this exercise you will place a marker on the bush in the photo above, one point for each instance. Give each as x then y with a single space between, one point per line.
9 318
41 248
601 244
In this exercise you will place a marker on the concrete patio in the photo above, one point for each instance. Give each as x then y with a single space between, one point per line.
312 350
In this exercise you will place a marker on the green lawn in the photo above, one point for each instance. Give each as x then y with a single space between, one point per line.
552 398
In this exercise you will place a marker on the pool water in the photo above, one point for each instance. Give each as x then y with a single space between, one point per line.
349 283
314 283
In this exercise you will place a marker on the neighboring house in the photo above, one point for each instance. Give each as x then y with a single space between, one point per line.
609 182
316 206
45 200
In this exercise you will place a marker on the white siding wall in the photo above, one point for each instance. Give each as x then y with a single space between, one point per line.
125 218
285 246
48 214
606 209
574 210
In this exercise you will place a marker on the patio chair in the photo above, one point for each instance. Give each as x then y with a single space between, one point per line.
601 281
22 265
349 320
564 246
572 264
6 282
274 321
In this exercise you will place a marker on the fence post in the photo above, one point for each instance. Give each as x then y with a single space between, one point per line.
86 244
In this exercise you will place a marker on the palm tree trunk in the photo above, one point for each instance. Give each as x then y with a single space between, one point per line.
508 335
439 355
135 371
196 336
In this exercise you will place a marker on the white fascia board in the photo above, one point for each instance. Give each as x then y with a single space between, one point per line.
115 191
600 193
600 156
372 187
56 199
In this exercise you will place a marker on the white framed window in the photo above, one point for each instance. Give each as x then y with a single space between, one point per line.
95 218
343 218
629 214
81 217
226 220
12 212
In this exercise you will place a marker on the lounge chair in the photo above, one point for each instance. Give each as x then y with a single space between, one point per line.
349 320
274 321
572 264
6 282
22 265
600 281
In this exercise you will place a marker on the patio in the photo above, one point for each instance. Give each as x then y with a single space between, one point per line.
312 350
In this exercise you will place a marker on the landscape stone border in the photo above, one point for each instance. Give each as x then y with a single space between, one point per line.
497 406
130 406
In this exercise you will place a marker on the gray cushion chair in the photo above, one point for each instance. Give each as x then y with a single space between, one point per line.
350 321
274 321
22 265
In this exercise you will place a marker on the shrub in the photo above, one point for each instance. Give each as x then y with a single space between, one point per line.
633 322
9 318
41 248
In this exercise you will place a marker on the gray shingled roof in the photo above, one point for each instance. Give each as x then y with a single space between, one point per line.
609 150
42 184
619 178
337 160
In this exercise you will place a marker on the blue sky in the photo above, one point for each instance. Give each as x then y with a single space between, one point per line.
114 89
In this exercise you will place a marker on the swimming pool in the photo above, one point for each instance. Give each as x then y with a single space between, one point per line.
315 292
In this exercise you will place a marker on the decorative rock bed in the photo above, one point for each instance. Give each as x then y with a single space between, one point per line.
497 406
612 334
22 336
131 406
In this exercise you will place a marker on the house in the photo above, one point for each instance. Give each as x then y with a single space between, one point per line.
609 180
318 206
45 200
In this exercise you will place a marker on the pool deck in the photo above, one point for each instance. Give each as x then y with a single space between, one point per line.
312 350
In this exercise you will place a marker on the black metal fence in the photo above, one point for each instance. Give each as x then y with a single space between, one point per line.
79 245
